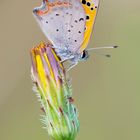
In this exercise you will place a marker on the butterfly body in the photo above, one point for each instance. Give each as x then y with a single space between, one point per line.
63 23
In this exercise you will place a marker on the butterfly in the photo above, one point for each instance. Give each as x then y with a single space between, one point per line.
68 26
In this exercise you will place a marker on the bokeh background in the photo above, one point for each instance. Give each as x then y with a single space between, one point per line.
106 91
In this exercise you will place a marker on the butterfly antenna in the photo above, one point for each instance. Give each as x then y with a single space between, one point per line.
106 55
100 48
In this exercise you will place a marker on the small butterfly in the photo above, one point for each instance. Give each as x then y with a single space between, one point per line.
68 25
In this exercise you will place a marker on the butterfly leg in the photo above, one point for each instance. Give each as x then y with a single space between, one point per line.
64 60
71 66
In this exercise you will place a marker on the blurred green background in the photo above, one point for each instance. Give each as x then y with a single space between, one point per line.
106 91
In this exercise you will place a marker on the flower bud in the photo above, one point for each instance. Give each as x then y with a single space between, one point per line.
54 93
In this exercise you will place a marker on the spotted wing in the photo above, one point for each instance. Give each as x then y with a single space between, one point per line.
91 8
62 22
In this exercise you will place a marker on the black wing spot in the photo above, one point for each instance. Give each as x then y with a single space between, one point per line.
68 30
76 21
57 14
57 30
88 3
81 19
84 1
75 40
79 32
46 21
87 17
91 8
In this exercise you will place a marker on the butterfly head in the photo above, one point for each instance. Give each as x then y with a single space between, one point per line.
84 55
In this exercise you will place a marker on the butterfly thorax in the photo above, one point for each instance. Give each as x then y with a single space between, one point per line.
66 54
74 57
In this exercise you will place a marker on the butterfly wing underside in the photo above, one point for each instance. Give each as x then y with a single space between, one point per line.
91 8
62 22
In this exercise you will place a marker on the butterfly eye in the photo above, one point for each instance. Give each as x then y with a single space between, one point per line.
84 55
